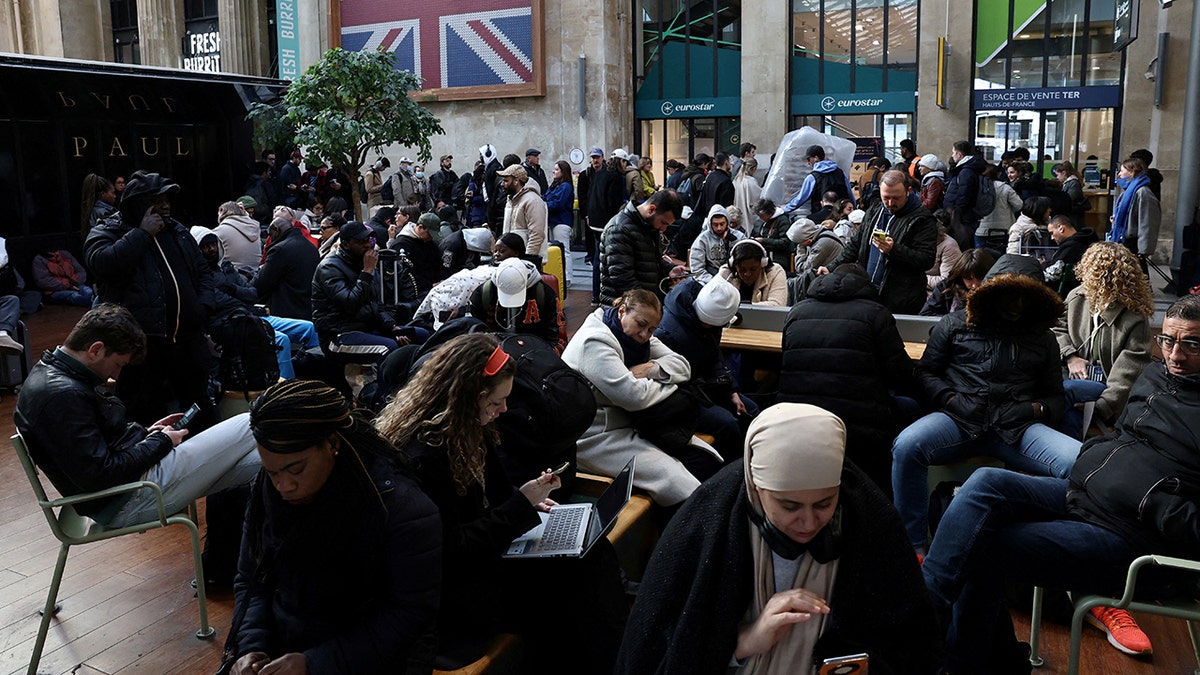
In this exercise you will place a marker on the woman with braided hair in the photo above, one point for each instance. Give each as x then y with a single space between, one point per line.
340 568
443 420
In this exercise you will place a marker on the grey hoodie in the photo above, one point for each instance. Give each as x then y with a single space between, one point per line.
709 252
240 236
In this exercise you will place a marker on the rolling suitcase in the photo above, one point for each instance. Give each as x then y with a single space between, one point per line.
14 368
556 266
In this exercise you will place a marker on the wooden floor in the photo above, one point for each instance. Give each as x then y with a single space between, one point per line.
127 606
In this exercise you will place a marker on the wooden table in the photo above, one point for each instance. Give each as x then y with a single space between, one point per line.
771 342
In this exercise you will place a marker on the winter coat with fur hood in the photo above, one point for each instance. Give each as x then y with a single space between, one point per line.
986 371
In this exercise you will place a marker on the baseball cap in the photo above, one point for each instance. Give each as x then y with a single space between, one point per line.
355 230
532 151
405 160
515 171
247 201
445 157
856 216
620 153
478 239
511 279
596 152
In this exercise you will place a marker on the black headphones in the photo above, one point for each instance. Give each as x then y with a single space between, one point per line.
824 548
766 260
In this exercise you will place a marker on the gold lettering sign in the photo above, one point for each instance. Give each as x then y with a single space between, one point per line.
145 150
67 101
80 144
105 100
136 100
116 150
179 151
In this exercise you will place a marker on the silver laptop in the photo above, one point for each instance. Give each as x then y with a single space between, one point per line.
569 530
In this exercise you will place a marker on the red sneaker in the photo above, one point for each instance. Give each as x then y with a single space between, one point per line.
1122 631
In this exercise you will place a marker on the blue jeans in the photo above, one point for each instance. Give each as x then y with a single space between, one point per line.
222 456
288 331
936 439
1004 526
80 298
1078 391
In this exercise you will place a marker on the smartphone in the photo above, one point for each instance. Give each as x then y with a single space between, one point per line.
561 468
879 234
187 417
845 665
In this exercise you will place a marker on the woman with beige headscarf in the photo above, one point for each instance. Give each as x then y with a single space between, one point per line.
781 561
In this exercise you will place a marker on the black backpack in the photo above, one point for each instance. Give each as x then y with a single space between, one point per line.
985 197
549 408
385 193
832 181
248 353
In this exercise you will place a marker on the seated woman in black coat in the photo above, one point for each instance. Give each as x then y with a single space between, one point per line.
340 568
780 561
444 419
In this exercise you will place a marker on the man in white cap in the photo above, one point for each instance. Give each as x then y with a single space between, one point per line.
799 542
933 182
525 212
517 300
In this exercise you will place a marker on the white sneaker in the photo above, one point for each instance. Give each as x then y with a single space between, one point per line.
9 345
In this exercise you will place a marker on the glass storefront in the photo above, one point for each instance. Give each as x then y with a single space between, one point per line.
854 68
1047 79
689 80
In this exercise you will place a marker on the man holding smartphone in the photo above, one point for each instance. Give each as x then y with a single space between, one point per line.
896 243
347 311
94 447
148 262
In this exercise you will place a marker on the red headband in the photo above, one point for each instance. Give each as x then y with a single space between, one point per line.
495 362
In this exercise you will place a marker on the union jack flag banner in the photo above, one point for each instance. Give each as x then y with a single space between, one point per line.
453 45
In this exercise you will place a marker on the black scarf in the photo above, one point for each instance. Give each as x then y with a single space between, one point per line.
633 351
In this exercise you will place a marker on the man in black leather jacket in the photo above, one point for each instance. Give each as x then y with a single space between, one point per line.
78 435
147 262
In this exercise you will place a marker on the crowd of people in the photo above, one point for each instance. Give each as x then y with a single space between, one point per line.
795 526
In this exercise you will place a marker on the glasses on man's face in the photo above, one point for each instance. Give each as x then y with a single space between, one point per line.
1166 343
328 227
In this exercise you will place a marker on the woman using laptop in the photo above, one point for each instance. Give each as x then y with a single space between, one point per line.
781 561
443 419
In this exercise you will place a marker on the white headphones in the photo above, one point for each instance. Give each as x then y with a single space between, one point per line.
766 260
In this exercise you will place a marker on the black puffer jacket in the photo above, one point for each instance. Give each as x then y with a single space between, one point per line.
914 230
344 298
351 580
986 372
630 256
963 187
842 352
1143 481
91 447
162 279
284 282
700 582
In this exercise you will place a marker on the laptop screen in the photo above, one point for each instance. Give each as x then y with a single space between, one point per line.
609 505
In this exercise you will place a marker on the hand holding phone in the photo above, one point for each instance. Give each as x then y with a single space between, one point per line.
561 468
845 665
182 422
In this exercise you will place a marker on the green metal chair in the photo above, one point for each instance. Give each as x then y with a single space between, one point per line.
70 528
1185 608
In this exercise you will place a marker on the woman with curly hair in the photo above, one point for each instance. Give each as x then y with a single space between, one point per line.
340 566
1105 341
444 420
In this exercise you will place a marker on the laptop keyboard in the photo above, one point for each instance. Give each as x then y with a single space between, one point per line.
561 529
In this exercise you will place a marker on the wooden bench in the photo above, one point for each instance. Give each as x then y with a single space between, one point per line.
502 655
